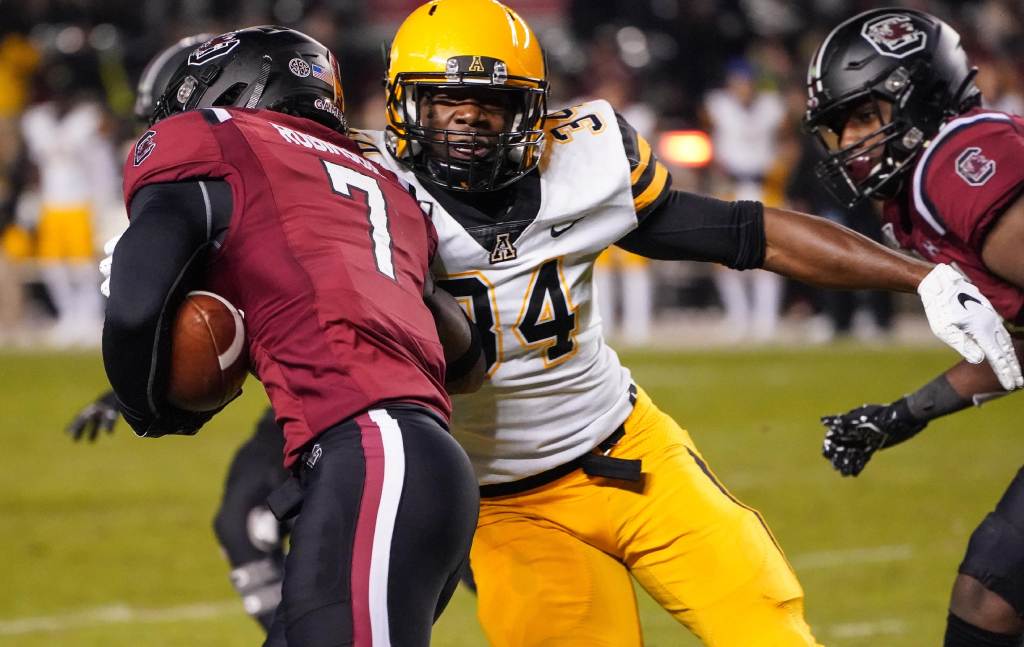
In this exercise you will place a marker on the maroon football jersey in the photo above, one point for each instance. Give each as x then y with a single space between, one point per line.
962 183
326 255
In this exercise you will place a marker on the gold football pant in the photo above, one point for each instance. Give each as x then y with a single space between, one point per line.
65 234
553 564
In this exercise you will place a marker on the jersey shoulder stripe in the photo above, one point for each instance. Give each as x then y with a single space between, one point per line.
648 177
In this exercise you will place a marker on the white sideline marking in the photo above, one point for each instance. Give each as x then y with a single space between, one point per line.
833 558
119 614
890 626
123 613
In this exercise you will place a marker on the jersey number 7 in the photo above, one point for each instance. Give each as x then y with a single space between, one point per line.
343 179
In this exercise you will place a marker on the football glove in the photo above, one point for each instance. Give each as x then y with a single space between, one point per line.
962 317
107 263
853 437
97 416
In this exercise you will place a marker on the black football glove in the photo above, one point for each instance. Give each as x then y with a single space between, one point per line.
97 416
853 437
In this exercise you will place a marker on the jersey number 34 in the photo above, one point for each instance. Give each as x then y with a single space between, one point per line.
546 323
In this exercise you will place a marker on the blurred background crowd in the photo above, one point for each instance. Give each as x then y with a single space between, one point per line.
716 86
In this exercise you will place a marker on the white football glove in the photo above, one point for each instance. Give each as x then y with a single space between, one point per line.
962 317
107 263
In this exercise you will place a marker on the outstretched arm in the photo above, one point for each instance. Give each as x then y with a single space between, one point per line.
853 437
817 251
746 235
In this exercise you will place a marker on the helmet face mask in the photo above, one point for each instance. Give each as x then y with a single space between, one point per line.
466 52
906 60
268 67
467 158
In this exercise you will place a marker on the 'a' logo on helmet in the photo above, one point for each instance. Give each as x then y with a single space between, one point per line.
212 49
895 35
476 65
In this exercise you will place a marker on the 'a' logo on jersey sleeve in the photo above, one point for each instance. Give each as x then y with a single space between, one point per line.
144 147
973 167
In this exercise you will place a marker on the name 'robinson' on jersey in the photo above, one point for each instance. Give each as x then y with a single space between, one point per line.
556 390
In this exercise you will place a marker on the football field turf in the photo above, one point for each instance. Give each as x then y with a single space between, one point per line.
110 544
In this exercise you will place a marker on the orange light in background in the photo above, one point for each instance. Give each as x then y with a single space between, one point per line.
691 148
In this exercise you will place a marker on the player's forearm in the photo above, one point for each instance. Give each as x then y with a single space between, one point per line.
819 252
149 276
463 353
976 383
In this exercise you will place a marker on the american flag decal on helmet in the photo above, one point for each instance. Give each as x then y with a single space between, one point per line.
325 74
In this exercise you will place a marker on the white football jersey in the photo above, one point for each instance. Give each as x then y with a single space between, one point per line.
75 160
555 388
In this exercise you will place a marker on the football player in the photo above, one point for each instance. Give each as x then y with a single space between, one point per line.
246 185
584 481
251 538
892 96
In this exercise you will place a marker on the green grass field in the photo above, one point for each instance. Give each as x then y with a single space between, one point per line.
110 544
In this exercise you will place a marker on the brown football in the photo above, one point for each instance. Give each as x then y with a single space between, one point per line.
209 356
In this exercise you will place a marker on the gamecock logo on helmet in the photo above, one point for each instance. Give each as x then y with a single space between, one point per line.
973 167
212 49
894 35
144 147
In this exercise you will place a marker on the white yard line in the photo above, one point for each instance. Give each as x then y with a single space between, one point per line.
119 614
888 626
847 556
123 613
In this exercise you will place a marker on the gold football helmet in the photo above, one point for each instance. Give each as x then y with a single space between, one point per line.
466 44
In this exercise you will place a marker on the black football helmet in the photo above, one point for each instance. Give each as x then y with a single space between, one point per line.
158 72
908 58
269 67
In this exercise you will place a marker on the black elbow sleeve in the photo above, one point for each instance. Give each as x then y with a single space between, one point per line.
750 237
693 227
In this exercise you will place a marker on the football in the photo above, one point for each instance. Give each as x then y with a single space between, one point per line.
209 357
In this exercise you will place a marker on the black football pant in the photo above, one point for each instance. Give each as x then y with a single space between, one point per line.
388 512
252 539
995 554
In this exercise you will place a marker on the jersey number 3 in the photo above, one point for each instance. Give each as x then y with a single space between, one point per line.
547 321
343 179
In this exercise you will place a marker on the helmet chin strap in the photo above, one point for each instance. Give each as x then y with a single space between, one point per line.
261 82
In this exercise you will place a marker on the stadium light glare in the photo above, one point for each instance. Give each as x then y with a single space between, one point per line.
689 148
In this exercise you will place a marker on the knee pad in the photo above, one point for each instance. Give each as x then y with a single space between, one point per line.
995 557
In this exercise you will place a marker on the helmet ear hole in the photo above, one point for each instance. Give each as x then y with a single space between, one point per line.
229 96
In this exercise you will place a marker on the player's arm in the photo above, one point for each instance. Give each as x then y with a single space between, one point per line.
745 235
851 438
158 258
463 354
1001 250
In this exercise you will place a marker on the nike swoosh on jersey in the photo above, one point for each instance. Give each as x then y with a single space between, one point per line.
556 232
963 298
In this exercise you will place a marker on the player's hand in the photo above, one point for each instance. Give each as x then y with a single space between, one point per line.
962 317
853 437
99 415
107 263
